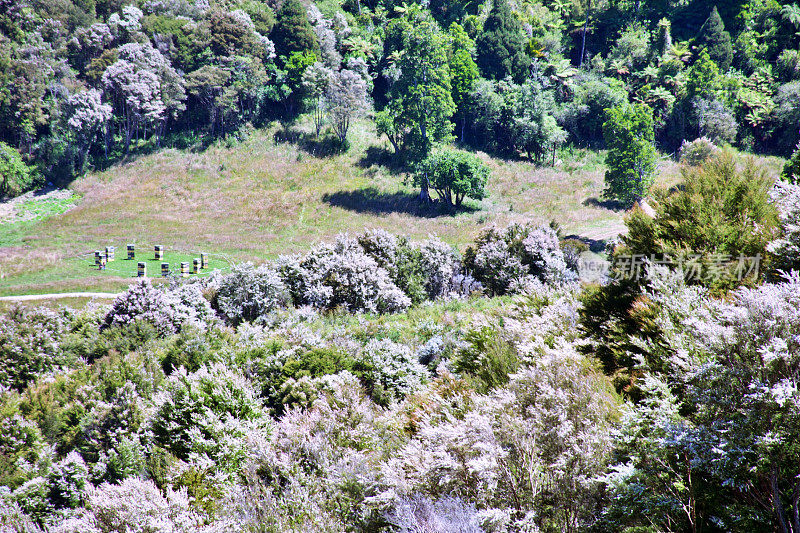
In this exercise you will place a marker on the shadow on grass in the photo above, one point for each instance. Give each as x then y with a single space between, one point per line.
371 200
595 245
378 156
612 205
323 146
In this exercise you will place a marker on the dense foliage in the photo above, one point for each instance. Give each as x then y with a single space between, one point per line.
88 83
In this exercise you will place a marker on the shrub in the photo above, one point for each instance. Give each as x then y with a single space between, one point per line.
722 213
342 275
487 358
791 171
503 260
134 506
439 262
250 293
698 151
389 370
205 412
447 515
143 302
30 345
786 249
68 481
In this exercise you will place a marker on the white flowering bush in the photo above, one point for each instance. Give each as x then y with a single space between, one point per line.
133 506
535 443
447 515
190 307
250 293
343 276
726 411
143 302
390 370
30 345
541 252
439 264
786 249
495 267
504 260
698 151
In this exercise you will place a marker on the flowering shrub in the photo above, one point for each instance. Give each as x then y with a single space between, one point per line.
30 345
143 302
539 441
503 260
250 293
205 413
495 267
786 249
389 370
698 151
448 515
439 264
133 506
342 275
541 252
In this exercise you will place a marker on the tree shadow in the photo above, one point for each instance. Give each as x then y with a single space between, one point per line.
612 205
322 146
378 156
595 245
371 200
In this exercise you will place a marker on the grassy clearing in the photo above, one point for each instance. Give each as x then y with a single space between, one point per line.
267 196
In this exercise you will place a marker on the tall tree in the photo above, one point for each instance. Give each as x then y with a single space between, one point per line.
463 72
293 31
420 101
501 45
629 135
716 41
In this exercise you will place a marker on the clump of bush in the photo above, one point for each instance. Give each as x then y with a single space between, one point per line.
30 342
791 171
249 293
342 276
504 260
698 151
142 302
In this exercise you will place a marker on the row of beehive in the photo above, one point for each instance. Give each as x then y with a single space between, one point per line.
102 259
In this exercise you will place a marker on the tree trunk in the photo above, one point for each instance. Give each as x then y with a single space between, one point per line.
583 40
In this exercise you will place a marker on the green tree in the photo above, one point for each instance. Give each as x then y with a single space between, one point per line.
463 73
420 100
715 40
454 175
703 80
293 31
501 45
535 129
15 176
791 171
628 133
721 211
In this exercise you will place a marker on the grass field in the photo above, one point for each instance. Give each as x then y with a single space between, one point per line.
265 196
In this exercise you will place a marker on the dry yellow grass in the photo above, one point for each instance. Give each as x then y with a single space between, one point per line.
263 198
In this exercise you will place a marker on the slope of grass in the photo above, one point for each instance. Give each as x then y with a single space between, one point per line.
276 194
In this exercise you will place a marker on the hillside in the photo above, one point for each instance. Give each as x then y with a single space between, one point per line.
261 198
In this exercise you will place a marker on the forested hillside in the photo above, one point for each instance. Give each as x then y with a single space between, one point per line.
88 83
